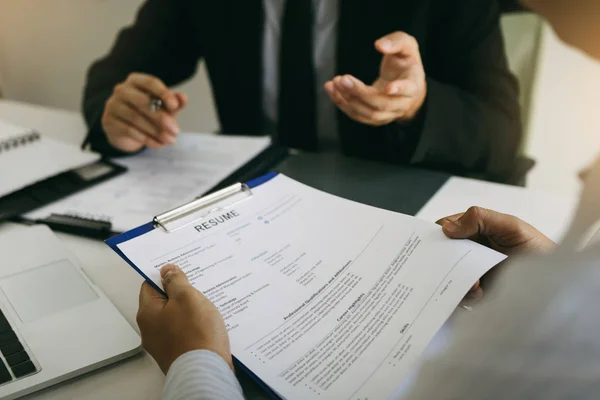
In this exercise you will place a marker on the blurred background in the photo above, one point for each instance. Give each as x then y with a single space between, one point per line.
47 46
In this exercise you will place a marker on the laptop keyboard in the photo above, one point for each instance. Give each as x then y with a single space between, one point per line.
14 356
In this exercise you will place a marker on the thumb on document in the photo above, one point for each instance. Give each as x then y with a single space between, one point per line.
174 280
183 322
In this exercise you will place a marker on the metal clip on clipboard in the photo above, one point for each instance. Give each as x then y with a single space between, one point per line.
201 207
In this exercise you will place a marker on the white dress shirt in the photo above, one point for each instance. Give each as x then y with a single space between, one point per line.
201 375
324 56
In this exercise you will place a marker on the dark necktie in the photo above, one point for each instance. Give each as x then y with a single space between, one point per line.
296 123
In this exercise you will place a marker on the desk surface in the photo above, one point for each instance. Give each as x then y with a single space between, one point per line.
395 188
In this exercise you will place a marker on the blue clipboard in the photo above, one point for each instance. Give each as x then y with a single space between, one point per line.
155 224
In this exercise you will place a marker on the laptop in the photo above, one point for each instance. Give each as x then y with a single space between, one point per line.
55 323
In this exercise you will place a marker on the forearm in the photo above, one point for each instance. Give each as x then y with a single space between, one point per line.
471 122
470 133
93 107
201 375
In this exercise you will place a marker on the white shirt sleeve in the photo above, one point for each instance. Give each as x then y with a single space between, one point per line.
201 375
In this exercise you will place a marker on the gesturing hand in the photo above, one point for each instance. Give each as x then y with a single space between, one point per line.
397 95
183 322
128 120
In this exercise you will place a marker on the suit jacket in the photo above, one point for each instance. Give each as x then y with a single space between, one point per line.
469 124
511 6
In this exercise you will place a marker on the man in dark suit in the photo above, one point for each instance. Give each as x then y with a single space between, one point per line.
423 82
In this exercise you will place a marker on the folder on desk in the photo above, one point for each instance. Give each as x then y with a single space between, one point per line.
322 297
36 170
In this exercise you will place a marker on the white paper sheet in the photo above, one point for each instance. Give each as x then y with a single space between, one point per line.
33 161
157 181
322 297
551 213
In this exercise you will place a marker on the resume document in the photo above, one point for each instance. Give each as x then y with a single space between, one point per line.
322 297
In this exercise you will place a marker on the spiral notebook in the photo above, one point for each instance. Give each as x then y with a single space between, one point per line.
27 157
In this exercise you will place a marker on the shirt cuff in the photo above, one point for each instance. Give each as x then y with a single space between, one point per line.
201 375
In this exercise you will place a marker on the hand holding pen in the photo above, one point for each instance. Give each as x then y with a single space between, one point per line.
142 112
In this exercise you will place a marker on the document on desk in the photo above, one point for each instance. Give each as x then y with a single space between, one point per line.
322 297
159 180
533 206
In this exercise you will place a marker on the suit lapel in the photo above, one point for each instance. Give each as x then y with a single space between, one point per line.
344 33
359 25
